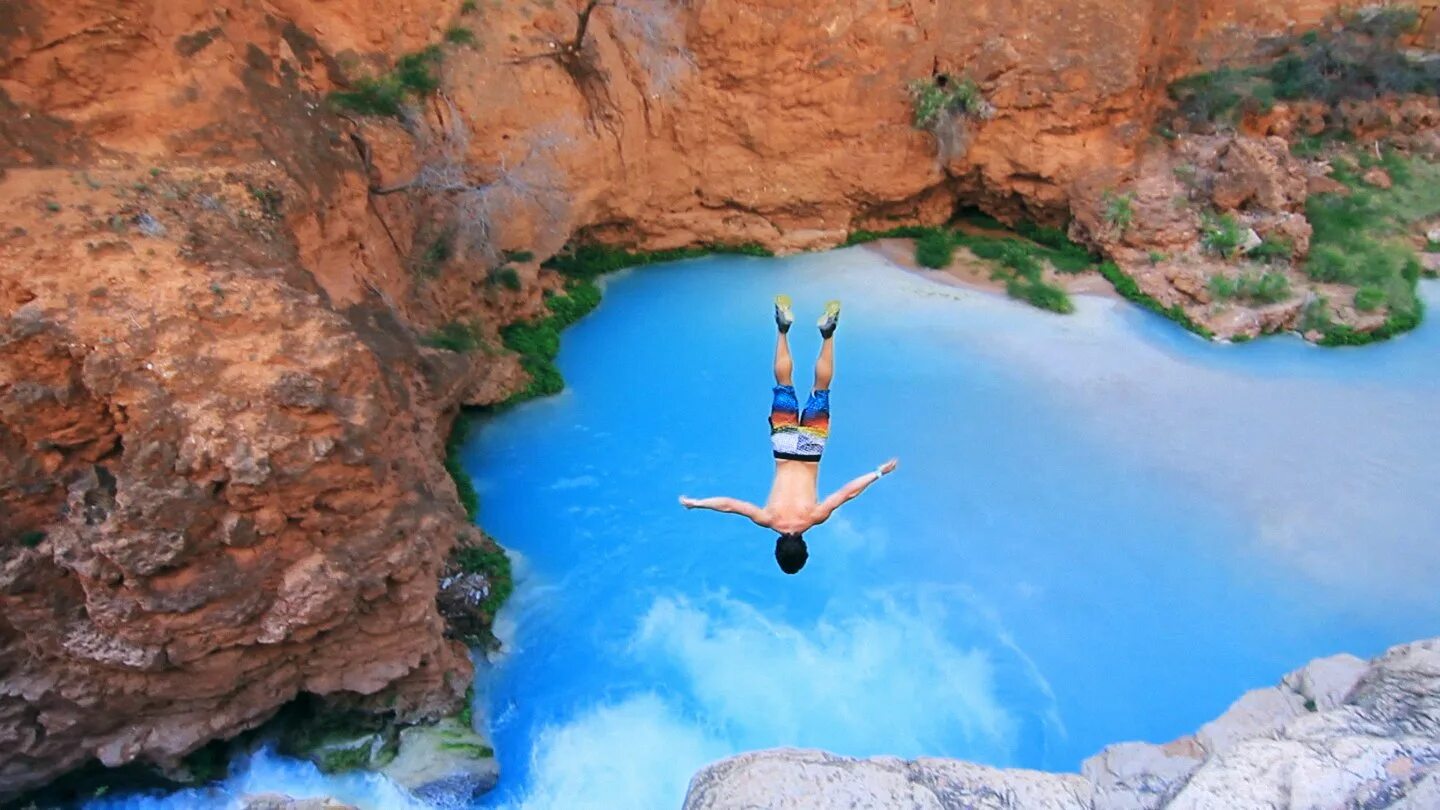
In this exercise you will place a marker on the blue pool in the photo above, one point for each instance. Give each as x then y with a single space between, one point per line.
1102 529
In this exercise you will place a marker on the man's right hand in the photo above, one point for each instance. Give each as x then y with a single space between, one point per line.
889 466
688 503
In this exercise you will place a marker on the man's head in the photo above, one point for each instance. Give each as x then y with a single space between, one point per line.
790 552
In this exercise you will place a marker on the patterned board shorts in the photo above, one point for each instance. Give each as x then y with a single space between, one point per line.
796 435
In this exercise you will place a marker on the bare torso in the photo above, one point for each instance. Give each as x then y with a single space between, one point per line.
794 496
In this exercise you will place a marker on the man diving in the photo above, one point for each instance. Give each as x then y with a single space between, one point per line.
798 440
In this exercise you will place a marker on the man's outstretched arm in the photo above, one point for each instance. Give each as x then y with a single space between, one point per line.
731 505
853 489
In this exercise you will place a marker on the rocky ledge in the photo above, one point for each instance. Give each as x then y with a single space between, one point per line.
1337 733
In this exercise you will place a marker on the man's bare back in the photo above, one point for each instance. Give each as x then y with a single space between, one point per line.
798 439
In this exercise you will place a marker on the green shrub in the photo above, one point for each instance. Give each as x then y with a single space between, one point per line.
413 75
435 255
505 276
1369 298
1360 56
467 7
494 564
464 486
1221 234
1266 288
934 250
902 232
1274 250
454 337
538 342
32 538
459 35
1040 293
1119 210
521 256
935 100
466 716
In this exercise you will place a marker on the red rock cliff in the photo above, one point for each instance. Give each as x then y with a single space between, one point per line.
220 441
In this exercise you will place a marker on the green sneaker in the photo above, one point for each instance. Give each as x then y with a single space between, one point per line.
829 320
783 316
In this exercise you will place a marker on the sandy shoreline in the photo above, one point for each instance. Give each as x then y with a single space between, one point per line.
968 271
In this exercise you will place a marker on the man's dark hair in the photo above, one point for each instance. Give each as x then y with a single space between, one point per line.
791 553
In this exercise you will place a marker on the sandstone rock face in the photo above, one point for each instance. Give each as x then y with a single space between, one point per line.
1338 733
220 434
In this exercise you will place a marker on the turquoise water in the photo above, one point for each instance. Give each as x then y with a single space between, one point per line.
1102 529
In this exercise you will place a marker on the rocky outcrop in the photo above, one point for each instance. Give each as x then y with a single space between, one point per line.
1338 733
220 426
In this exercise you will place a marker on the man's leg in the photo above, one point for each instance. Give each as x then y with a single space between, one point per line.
825 363
784 366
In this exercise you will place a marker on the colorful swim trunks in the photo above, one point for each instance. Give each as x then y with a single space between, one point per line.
796 435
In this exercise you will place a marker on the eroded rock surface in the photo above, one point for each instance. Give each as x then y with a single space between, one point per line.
1338 733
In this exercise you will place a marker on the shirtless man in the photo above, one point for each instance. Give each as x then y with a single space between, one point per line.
798 439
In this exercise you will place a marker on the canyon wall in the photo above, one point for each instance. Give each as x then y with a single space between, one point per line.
221 431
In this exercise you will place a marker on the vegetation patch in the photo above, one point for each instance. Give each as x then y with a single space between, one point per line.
934 249
472 750
1221 234
1358 55
336 740
1258 288
436 254
1364 238
1126 286
1119 210
494 564
538 342
505 276
1018 262
459 35
936 100
455 336
464 486
414 75
32 538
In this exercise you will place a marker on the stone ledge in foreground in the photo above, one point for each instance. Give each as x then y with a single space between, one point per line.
1338 733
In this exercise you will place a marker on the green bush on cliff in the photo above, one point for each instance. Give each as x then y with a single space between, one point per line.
464 486
414 74
538 342
1361 55
454 337
936 99
1221 234
494 564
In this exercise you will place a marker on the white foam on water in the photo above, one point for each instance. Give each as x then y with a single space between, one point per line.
267 772
870 676
639 752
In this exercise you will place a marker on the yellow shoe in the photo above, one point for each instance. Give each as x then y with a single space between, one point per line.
829 320
783 316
